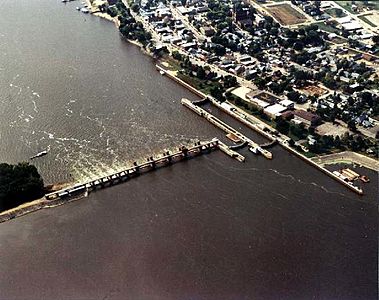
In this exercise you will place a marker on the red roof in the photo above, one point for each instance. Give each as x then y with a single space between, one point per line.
306 115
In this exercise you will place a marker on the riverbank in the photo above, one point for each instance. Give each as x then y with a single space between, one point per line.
242 118
62 193
95 11
347 157
32 206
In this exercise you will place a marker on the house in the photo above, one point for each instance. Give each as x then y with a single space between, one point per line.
287 115
287 103
251 96
355 87
307 118
239 69
275 110
188 45
202 9
184 10
242 16
350 26
268 97
311 140
368 57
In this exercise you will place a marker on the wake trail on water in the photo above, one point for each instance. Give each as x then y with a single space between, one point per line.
307 183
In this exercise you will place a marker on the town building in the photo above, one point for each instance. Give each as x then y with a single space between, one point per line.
307 118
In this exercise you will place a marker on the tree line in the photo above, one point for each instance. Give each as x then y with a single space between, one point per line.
18 184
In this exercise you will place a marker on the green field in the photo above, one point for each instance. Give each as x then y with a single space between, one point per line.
333 12
327 28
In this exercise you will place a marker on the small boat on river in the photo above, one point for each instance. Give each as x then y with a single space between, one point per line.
40 154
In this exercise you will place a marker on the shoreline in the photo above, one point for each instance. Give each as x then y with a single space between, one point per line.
116 22
311 162
41 203
347 157
320 161
53 197
34 205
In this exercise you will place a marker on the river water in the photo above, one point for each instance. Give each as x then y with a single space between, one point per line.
208 228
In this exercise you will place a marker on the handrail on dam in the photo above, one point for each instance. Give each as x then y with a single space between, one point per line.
151 163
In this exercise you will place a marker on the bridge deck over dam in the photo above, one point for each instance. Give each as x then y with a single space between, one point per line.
136 169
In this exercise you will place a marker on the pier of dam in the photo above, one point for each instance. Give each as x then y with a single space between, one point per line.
151 163
243 118
80 190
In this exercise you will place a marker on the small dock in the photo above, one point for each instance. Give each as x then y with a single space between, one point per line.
229 151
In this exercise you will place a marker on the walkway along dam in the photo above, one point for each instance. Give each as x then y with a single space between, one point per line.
81 190
137 169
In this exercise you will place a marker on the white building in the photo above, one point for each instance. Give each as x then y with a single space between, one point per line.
275 110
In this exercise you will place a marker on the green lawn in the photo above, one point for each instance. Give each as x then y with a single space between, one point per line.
327 28
203 85
373 4
174 64
332 12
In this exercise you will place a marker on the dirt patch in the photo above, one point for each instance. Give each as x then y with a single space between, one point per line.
314 90
241 92
286 14
330 129
373 18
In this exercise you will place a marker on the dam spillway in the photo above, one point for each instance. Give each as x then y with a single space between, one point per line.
136 169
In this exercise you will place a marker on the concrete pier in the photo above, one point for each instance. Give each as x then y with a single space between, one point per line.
238 114
227 150
243 118
225 127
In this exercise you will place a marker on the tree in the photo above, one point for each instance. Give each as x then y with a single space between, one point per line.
298 46
351 125
230 81
298 130
219 50
339 12
135 7
176 55
282 125
19 183
337 142
112 11
260 82
217 93
200 73
294 96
